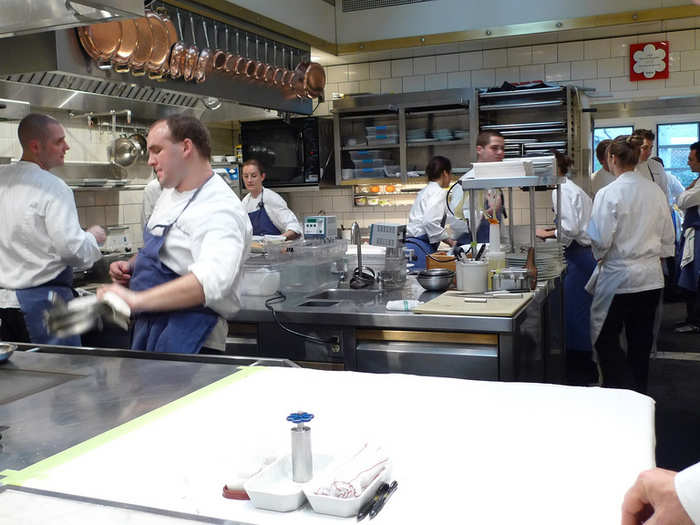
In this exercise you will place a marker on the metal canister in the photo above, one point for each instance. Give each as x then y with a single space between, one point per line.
302 461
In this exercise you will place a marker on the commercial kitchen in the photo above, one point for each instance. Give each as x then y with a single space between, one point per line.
367 366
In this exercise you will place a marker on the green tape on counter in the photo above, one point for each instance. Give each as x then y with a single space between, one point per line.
40 468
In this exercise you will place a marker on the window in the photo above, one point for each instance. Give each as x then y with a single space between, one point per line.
673 141
600 134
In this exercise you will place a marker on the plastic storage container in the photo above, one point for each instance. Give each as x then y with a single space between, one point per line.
378 140
356 155
472 276
388 129
368 173
370 163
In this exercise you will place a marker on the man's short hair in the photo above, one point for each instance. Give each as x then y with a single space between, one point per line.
35 126
484 138
601 150
695 146
644 134
183 127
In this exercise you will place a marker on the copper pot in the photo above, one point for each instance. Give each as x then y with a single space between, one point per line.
251 64
129 41
101 41
269 69
191 55
160 49
172 39
205 59
218 61
309 80
259 64
288 76
140 56
177 53
278 70
241 61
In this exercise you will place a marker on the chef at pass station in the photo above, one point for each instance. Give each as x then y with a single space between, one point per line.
185 281
268 212
426 220
40 239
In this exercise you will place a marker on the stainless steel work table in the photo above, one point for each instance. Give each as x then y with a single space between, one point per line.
52 400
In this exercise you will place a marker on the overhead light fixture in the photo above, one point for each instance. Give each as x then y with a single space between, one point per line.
315 58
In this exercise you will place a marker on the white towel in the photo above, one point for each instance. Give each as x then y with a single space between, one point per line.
688 247
352 478
404 305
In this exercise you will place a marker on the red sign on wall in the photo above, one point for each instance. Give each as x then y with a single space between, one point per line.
649 61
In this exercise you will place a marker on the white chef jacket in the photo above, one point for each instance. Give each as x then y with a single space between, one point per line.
281 216
600 179
150 195
211 240
631 229
40 233
576 207
654 171
426 214
675 188
689 198
687 483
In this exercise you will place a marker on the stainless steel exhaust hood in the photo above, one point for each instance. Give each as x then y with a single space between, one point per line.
52 71
21 17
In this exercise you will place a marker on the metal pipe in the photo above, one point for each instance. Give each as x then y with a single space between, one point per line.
510 220
533 225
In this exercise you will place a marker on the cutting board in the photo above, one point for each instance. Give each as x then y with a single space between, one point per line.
452 304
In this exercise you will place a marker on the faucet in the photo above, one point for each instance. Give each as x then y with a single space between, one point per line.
356 238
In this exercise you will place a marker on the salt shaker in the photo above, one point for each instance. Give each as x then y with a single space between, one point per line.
302 463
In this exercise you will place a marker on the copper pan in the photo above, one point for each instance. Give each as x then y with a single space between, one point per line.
268 70
230 57
259 64
172 39
191 55
140 56
101 41
218 61
241 61
129 41
309 80
250 64
177 54
160 49
288 76
278 70
205 59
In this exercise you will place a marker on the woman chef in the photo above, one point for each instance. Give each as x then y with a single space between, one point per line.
268 212
576 208
426 221
630 231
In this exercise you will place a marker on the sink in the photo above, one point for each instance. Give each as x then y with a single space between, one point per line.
341 294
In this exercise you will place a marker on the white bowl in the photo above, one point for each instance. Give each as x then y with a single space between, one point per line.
342 507
273 489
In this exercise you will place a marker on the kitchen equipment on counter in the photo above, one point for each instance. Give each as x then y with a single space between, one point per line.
458 303
302 462
139 58
511 278
391 237
204 60
101 41
436 279
441 260
176 64
191 55
127 46
472 275
6 350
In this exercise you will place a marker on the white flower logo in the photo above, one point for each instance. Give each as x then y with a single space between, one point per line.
649 61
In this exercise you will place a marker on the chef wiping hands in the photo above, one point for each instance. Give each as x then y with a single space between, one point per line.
653 499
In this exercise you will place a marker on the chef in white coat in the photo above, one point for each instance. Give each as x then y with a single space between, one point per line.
40 238
648 167
630 231
268 212
602 177
427 219
185 281
576 207
663 496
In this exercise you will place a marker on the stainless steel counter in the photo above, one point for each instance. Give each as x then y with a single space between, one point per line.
52 401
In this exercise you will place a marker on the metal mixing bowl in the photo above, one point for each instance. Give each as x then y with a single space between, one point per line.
6 350
436 280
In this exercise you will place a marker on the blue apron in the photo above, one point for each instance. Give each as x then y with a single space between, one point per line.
688 276
262 225
421 247
34 302
181 331
577 301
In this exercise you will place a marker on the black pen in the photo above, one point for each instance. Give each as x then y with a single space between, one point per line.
367 507
380 504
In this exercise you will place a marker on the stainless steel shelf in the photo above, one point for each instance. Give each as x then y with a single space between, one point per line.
460 142
511 182
127 187
522 105
540 145
521 92
379 116
367 147
525 132
440 112
524 125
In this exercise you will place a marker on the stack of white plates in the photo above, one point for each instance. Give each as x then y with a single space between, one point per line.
460 134
549 259
416 135
442 134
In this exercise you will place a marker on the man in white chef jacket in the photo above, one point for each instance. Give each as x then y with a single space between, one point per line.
490 147
41 239
602 177
185 281
647 167
268 212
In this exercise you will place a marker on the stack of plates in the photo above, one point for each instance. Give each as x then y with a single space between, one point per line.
416 135
443 134
460 134
549 259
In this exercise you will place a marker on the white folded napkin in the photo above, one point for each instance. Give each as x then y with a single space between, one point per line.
352 477
404 305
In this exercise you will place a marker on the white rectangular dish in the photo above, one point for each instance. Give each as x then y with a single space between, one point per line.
273 489
342 507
